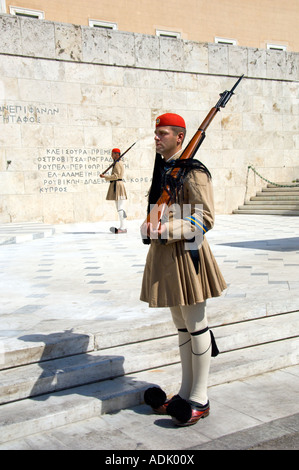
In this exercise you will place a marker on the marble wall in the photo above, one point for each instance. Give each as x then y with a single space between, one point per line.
68 94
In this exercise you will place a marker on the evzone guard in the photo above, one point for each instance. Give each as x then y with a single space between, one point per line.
181 272
117 191
182 279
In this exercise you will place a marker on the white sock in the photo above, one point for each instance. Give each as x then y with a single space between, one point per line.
201 358
186 364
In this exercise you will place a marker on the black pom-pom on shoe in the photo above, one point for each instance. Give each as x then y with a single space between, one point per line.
154 397
180 410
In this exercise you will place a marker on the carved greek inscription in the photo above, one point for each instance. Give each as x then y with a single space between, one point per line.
64 169
29 114
70 169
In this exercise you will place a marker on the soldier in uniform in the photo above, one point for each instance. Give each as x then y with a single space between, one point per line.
181 271
117 191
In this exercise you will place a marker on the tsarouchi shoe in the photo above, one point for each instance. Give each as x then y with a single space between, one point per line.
118 230
186 413
156 398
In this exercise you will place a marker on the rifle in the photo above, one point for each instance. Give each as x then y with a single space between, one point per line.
112 164
158 211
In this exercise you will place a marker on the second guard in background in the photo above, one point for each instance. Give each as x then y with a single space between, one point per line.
117 191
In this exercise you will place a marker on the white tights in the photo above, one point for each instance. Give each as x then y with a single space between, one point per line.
120 207
195 350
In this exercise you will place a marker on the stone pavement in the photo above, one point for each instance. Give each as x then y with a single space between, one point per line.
82 276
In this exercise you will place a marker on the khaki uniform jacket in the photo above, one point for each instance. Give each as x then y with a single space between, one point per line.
116 188
170 278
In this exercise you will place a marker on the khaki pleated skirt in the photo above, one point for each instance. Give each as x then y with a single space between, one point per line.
116 191
170 278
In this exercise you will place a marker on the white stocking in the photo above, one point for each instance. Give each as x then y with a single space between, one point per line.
120 205
195 350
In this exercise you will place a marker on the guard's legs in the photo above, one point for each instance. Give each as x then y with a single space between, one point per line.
195 350
120 205
196 344
184 340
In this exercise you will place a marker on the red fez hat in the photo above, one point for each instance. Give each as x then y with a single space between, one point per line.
170 119
116 150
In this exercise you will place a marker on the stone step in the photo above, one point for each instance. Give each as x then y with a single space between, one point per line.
282 190
35 415
36 379
34 348
272 200
266 211
11 233
58 374
273 204
269 206
40 347
276 193
37 347
280 198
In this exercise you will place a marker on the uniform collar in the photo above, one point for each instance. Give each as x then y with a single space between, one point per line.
174 157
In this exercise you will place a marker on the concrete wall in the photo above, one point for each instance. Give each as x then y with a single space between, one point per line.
68 94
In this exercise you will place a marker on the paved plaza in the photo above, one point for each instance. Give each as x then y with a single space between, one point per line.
83 277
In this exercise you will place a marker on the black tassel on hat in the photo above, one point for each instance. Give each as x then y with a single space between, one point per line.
155 397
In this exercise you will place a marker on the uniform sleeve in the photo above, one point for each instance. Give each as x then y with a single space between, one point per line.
117 172
195 216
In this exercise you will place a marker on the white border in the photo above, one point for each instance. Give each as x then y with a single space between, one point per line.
27 11
102 24
276 47
168 34
225 41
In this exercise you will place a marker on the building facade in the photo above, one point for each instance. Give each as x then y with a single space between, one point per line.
266 24
69 94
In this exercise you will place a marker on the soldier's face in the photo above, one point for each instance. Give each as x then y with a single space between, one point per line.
114 155
167 141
